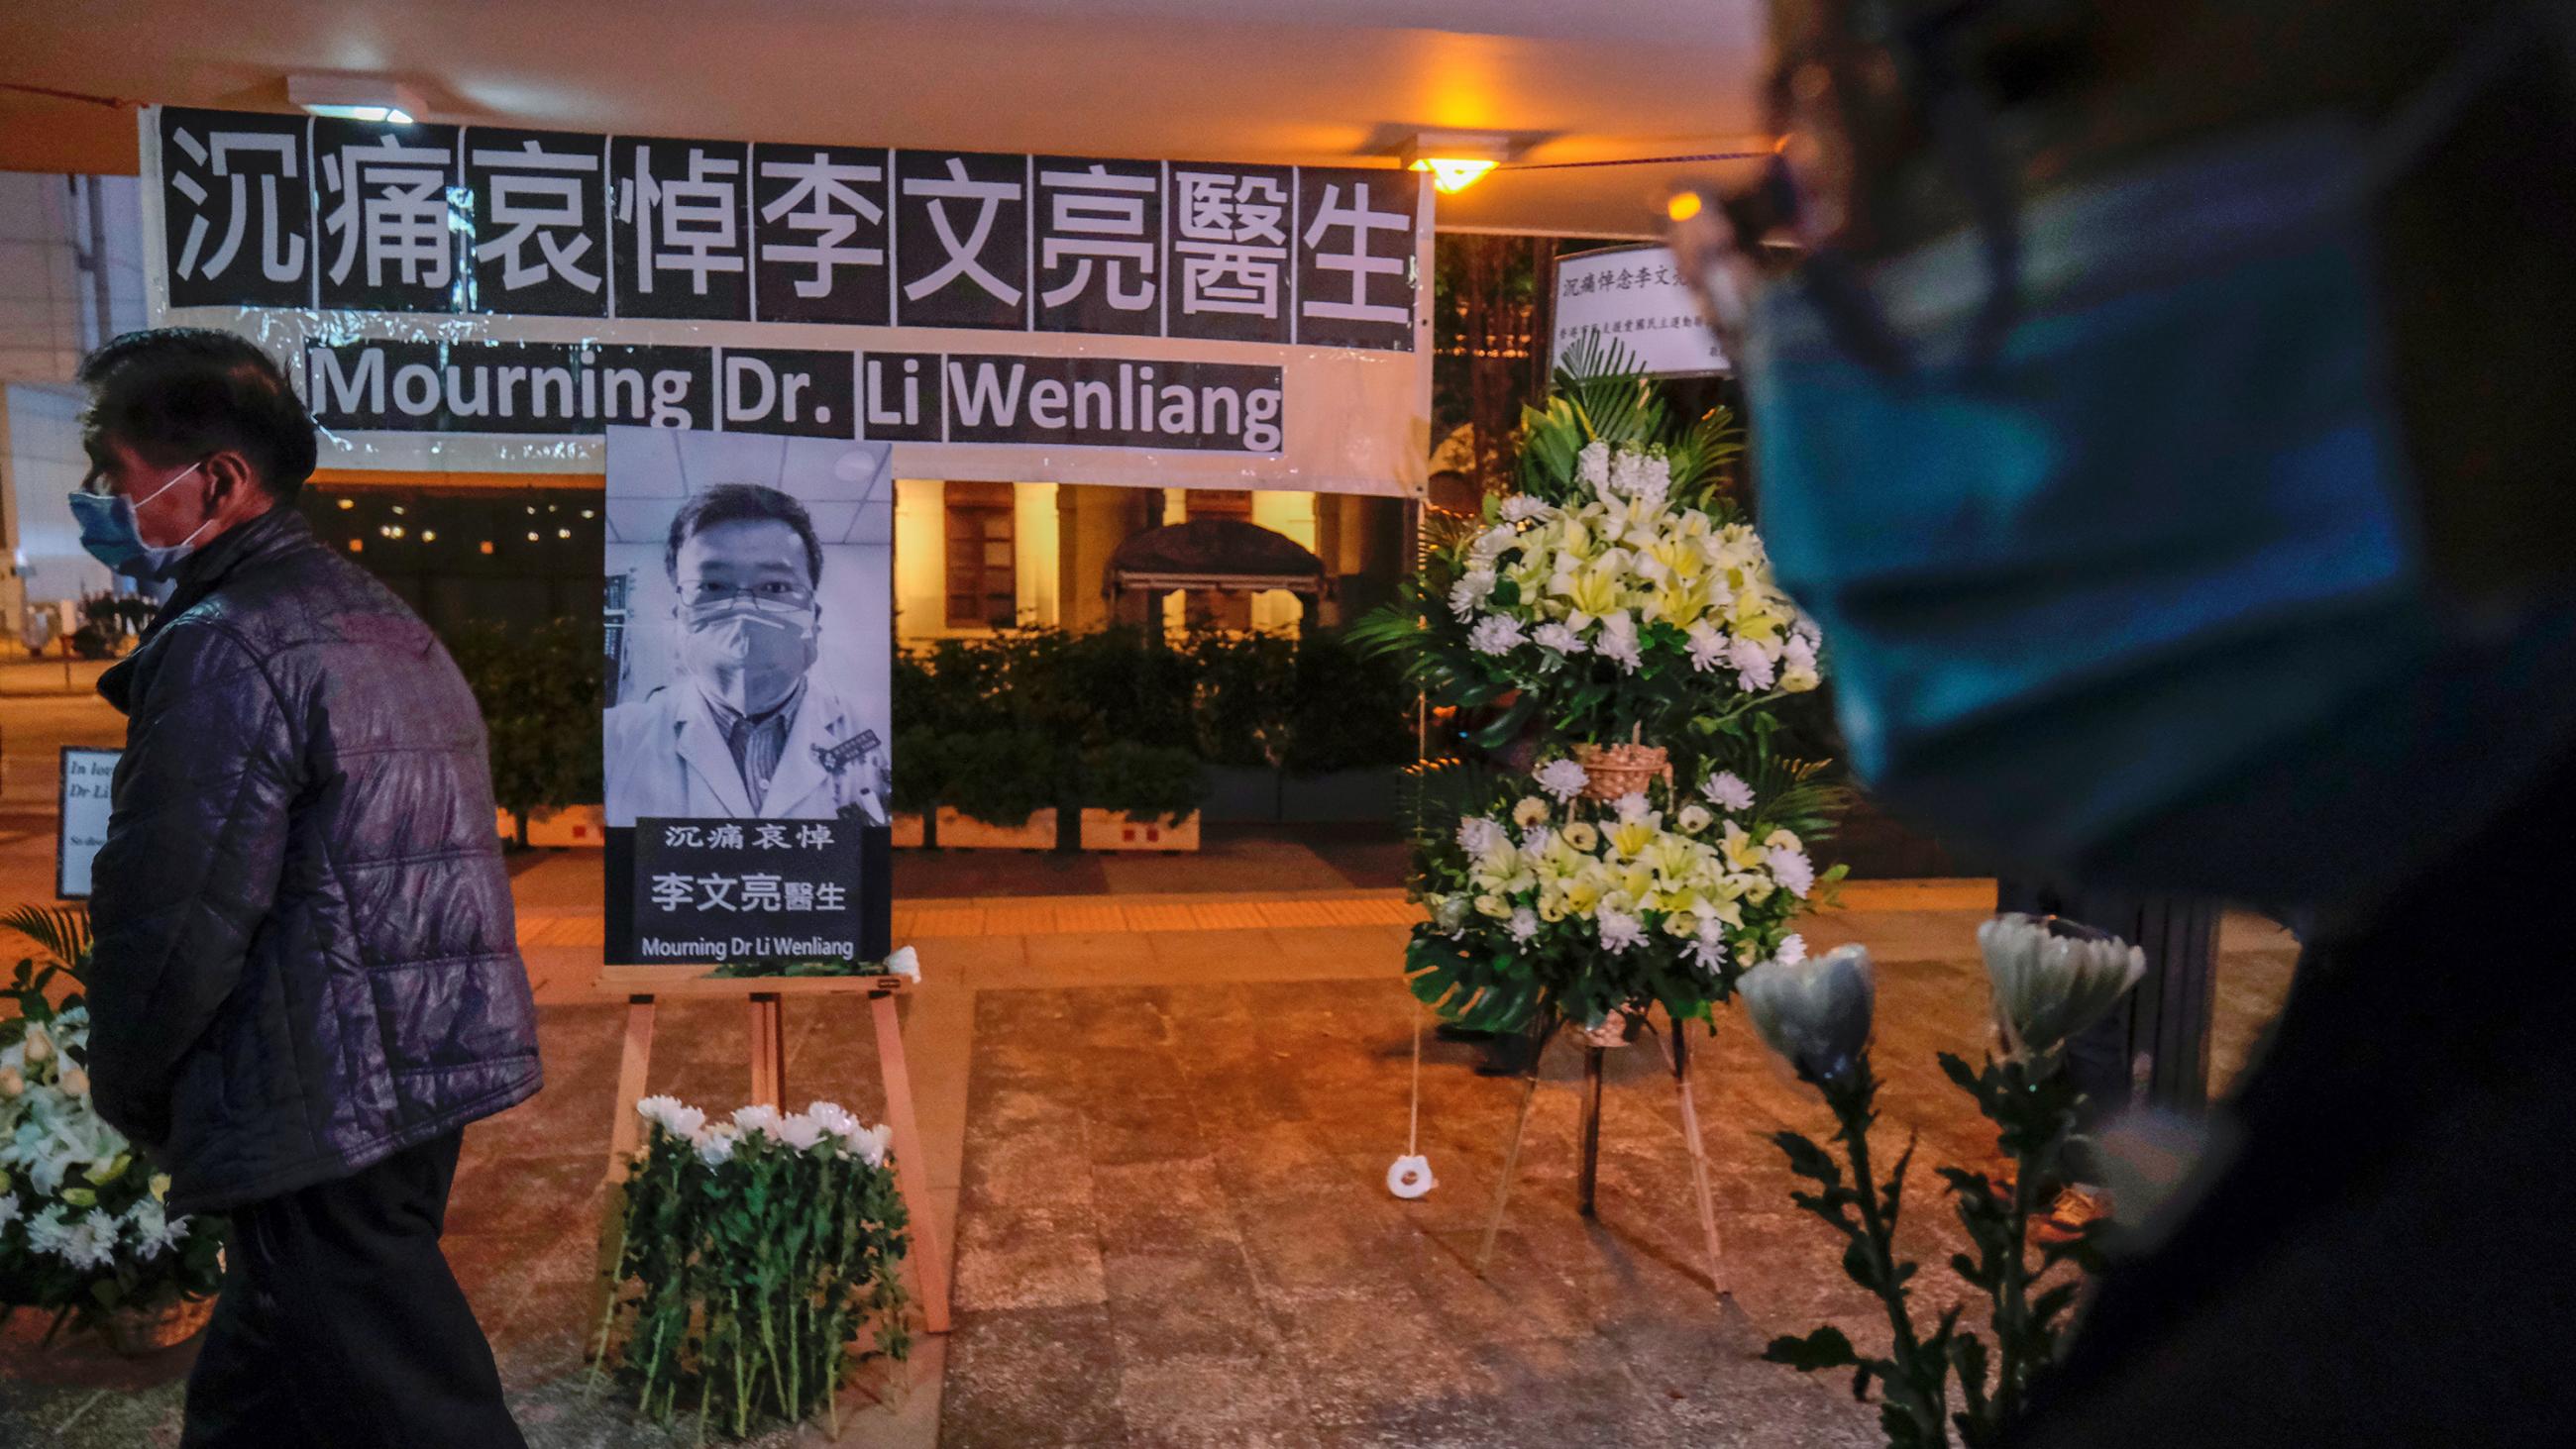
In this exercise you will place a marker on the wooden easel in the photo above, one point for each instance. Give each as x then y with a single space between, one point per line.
1678 1057
643 985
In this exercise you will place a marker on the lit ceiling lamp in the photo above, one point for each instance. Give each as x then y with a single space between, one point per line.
1455 159
354 98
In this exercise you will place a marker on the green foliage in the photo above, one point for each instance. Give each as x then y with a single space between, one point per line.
2035 1119
1002 776
1077 708
743 1285
1143 782
541 691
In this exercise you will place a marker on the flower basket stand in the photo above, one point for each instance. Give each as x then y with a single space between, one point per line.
766 997
1677 1057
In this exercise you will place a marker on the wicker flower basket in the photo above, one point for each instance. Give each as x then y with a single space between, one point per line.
1622 769
135 1332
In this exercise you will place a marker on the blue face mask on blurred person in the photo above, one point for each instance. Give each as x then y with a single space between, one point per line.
111 534
2136 594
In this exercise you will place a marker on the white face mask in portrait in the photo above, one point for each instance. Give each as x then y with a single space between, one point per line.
747 659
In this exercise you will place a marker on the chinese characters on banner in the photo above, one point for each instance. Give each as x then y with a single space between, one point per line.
270 211
746 890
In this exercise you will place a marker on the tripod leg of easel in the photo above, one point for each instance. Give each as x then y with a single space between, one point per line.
1592 1056
929 1264
768 1052
635 1059
1699 1160
625 1134
1511 1166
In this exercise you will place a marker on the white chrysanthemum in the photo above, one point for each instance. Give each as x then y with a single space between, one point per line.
1727 791
1559 637
1753 668
759 1117
149 1224
1618 642
9 1208
1496 634
1792 869
715 1145
831 1114
662 1112
1478 835
1619 930
1799 652
1470 592
1707 646
1707 949
868 1144
1521 507
1524 924
1562 778
90 1242
1632 806
905 962
801 1131
1793 949
46 1230
1490 543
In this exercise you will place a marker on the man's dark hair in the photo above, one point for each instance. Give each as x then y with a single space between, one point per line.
741 503
176 393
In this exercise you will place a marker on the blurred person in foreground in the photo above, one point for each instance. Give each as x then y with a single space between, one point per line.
2167 412
307 977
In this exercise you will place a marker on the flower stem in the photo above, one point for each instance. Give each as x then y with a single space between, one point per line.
1855 1105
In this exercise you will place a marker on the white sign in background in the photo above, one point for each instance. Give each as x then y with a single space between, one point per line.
86 797
1632 297
1352 411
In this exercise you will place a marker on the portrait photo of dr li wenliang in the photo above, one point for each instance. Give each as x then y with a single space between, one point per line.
743 725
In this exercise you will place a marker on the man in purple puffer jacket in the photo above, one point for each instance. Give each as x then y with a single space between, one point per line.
307 978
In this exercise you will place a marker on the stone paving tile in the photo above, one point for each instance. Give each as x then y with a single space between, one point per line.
1028 1257
1032 1378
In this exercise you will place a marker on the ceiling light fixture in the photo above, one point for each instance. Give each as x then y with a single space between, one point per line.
1455 159
354 98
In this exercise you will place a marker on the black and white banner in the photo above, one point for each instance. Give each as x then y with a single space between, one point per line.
493 297
288 212
554 388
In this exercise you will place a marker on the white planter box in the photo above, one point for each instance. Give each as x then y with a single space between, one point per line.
574 825
958 832
1111 830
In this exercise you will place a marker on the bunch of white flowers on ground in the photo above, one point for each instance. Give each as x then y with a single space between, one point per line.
1619 577
85 1223
1663 895
754 1252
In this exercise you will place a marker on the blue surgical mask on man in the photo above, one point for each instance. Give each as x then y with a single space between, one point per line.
111 533
2133 589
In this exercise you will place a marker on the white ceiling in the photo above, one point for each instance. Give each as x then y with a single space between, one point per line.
1304 80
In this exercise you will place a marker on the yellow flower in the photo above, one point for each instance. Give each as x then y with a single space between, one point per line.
160 1184
1741 851
1531 811
1582 896
1593 591
1680 555
1494 906
1579 835
1781 839
1629 838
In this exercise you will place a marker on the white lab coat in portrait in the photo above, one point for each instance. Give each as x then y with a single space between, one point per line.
667 759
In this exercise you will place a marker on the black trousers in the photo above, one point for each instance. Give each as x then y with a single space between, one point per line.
340 1326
